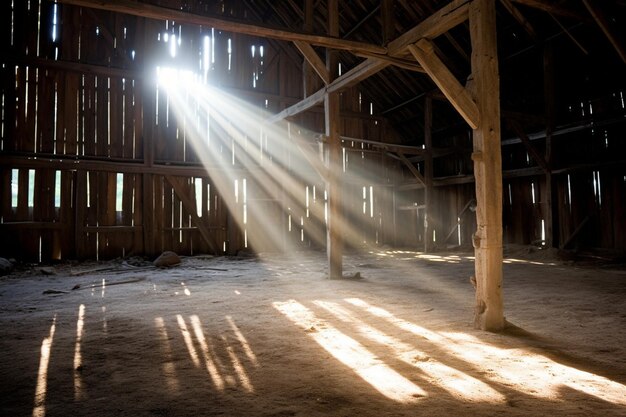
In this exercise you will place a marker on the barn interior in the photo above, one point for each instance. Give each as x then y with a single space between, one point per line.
313 207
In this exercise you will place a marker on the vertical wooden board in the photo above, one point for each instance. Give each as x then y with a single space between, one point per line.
46 46
87 205
158 129
144 211
6 210
158 221
89 115
607 199
138 119
102 115
126 239
115 118
20 109
59 139
45 111
22 212
31 22
71 113
44 192
8 12
177 237
66 214
167 216
30 117
113 246
8 91
128 129
137 246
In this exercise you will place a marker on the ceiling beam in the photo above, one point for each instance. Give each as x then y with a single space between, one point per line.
161 13
356 74
517 15
607 27
553 8
458 96
438 23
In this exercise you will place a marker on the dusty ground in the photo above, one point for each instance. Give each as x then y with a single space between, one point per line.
270 336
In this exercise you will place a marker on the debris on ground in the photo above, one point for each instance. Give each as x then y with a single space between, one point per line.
167 259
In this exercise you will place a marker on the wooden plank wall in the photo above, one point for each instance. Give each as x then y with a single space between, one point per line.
59 109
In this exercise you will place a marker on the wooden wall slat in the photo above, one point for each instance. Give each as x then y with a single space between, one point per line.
115 118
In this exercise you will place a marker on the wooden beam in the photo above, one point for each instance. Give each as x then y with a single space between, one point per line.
549 191
356 74
387 20
161 13
311 101
517 15
429 215
334 223
314 59
458 96
487 240
595 8
554 8
541 161
437 24
575 233
440 22
190 205
397 62
309 81
418 175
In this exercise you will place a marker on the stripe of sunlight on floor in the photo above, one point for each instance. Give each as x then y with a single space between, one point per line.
352 354
39 406
452 380
520 369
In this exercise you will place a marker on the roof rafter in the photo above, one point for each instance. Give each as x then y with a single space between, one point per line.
161 13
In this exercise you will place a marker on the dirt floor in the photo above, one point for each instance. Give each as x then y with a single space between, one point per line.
270 336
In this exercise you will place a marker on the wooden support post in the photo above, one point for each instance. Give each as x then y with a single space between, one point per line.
428 173
147 120
334 241
489 313
549 193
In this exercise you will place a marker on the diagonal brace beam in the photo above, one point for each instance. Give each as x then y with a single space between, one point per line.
460 98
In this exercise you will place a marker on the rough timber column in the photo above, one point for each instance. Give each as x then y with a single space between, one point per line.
489 313
334 241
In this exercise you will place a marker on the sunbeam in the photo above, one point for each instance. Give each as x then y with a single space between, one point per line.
282 160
